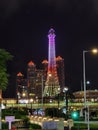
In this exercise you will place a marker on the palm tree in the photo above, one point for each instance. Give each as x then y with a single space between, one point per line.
4 58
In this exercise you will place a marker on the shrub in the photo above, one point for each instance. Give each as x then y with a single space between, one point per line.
4 126
34 126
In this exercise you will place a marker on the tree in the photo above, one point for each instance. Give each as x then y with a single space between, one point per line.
4 58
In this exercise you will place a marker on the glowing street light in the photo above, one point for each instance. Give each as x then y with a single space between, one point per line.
31 101
88 82
58 98
23 94
65 90
94 51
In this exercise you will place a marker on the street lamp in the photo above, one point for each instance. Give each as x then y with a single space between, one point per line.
31 101
65 90
58 98
94 51
42 78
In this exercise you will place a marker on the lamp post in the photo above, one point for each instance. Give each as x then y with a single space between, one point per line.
31 101
42 88
65 90
58 98
84 82
84 76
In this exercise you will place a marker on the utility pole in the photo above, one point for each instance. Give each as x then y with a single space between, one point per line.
88 118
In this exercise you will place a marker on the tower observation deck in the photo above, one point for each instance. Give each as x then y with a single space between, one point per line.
52 86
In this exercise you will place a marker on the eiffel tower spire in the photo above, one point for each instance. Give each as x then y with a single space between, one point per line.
52 86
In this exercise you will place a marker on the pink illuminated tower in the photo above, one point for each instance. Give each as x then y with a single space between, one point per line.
52 86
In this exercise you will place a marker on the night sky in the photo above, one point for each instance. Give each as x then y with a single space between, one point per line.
24 25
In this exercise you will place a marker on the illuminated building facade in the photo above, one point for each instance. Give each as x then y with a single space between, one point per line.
22 89
45 69
35 78
39 83
52 83
60 71
31 79
91 96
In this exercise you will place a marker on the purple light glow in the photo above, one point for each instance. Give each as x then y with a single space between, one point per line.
52 84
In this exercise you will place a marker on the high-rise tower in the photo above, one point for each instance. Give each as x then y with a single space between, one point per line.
60 71
52 86
22 90
31 78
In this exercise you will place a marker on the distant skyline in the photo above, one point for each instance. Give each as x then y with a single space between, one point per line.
24 26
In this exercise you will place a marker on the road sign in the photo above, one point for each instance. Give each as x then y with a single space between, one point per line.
10 119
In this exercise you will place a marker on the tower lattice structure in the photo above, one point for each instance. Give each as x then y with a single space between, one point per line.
52 86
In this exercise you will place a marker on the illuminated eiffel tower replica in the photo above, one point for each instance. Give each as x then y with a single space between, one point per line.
52 86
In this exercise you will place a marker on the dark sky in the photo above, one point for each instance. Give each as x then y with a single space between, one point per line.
24 25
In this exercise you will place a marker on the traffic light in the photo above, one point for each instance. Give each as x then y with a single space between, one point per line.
75 115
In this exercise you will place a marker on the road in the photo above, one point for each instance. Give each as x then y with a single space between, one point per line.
90 122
